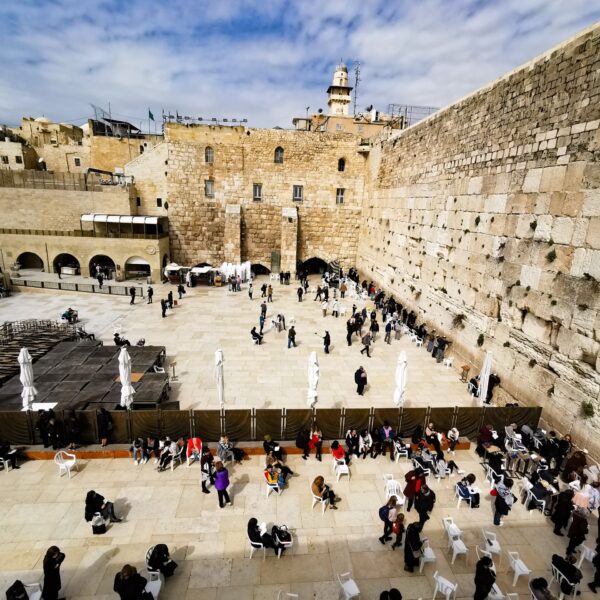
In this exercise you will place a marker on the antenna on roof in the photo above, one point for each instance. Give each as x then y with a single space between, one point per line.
356 80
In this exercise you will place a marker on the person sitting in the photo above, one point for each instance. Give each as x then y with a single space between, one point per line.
540 591
441 466
121 341
453 436
387 439
571 573
70 315
352 442
258 535
365 443
541 493
338 452
278 465
424 458
273 478
432 438
376 439
83 335
417 435
160 560
257 337
207 469
468 490
129 584
194 449
273 447
8 454
323 491
167 454
140 451
95 503
153 446
225 449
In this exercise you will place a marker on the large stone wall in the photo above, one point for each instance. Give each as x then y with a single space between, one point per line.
108 153
485 218
243 157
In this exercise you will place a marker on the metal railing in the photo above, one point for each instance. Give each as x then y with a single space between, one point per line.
83 233
109 289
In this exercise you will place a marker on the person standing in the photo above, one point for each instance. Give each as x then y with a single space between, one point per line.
300 291
414 480
302 440
58 268
343 289
163 306
318 293
250 291
52 584
324 307
577 531
503 501
596 562
360 378
180 291
562 510
413 546
292 337
263 309
150 294
366 342
263 290
326 342
335 309
170 298
132 294
270 293
222 483
100 279
424 502
261 322
388 333
485 577
388 514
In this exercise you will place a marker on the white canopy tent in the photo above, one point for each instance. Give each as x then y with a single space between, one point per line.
400 379
233 270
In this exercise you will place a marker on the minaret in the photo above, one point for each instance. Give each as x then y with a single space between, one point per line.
339 92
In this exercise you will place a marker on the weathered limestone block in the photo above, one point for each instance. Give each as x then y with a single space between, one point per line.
289 239
232 234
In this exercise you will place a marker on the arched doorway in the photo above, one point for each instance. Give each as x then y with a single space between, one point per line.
314 265
30 260
106 264
66 261
258 269
136 266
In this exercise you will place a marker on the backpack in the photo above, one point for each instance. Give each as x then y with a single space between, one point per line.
384 513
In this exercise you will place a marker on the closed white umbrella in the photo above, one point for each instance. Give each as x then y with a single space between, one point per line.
400 379
313 379
219 380
484 376
127 390
29 392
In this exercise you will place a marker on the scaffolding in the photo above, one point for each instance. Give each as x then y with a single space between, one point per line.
409 114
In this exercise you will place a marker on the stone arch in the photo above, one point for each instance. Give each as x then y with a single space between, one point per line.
30 260
259 269
64 259
314 265
103 261
136 266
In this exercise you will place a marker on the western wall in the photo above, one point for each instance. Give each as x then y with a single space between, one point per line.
485 219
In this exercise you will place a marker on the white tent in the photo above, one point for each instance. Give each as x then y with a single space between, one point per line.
127 390
219 379
313 379
29 392
484 376
400 379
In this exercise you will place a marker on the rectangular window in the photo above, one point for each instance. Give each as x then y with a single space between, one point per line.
19 160
339 196
77 162
209 188
257 192
159 202
138 201
298 193
5 160
338 127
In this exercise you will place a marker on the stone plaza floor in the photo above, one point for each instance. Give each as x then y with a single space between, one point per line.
266 376
38 509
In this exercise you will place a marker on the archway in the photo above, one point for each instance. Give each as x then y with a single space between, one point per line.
66 261
106 264
314 265
30 260
136 266
258 269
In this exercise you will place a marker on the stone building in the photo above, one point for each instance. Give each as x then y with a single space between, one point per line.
484 218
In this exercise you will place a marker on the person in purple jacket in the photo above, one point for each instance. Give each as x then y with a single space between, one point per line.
222 483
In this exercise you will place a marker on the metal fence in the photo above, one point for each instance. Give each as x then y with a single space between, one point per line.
114 290
246 425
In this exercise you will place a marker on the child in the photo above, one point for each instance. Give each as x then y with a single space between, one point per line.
398 529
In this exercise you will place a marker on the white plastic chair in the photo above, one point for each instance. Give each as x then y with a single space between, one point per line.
178 456
257 546
496 593
445 587
341 468
286 544
586 553
518 566
5 462
349 589
560 579
539 504
158 369
419 342
492 545
317 499
427 556
448 361
271 487
342 310
154 583
459 495
401 451
34 591
66 462
451 529
458 547
393 488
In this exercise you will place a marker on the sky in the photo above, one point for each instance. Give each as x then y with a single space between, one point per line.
262 60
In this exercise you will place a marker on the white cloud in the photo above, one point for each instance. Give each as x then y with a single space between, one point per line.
265 60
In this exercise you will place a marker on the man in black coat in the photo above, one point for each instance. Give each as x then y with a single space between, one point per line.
132 294
424 502
360 378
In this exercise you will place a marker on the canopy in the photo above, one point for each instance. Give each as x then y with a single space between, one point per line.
313 379
400 379
484 377
219 379
127 390
202 270
231 270
29 392
103 218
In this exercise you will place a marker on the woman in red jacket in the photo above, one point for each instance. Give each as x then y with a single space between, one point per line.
414 480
